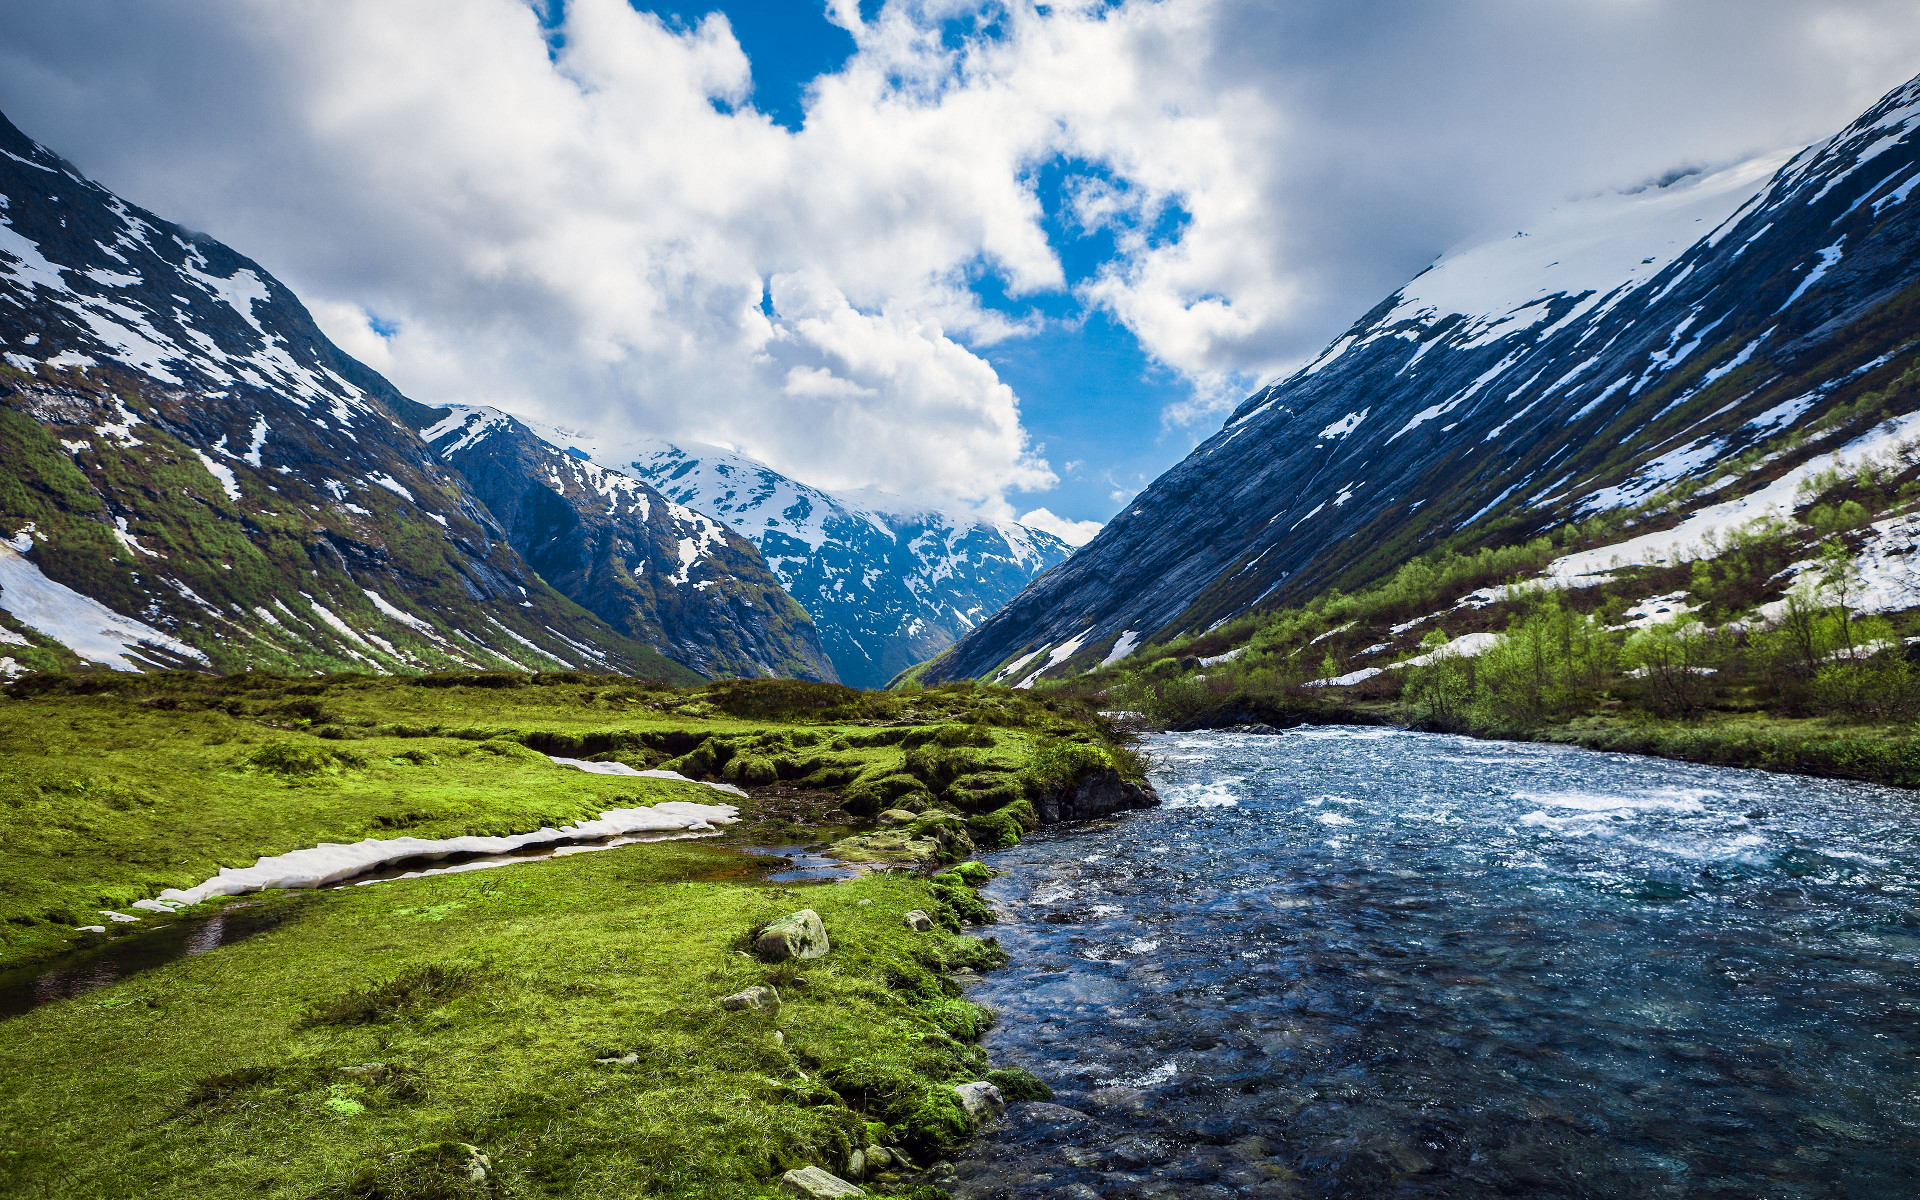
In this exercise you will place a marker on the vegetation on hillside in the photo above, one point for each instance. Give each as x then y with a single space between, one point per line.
1754 653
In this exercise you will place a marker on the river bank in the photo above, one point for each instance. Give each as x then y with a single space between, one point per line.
557 1013
1817 746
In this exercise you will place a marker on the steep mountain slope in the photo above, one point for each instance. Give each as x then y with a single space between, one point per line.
1625 346
649 567
888 584
198 477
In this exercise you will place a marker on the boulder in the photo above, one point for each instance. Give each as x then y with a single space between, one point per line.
799 935
918 921
758 998
817 1184
982 1101
1095 794
897 816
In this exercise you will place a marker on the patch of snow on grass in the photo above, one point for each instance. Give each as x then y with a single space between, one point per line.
221 472
1122 646
620 768
80 623
332 862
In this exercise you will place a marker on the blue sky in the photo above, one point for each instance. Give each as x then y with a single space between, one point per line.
1092 400
1001 255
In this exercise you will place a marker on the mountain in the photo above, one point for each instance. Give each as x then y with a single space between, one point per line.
889 584
202 479
1697 337
647 566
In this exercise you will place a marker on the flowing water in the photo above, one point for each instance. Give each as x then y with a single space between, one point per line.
1369 963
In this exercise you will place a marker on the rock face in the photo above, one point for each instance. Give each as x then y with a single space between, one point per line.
197 477
653 569
1096 794
801 935
889 584
1613 348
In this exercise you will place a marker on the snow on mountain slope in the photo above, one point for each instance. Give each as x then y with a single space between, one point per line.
1619 347
198 477
888 583
655 570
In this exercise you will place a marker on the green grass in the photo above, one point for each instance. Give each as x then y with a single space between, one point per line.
109 796
488 999
353 1045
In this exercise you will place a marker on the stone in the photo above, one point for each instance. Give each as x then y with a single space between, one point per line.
800 935
372 1072
879 1158
918 921
898 816
857 1164
759 998
1096 794
864 903
982 1101
817 1184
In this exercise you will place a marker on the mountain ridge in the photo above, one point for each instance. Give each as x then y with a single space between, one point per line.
204 480
1515 419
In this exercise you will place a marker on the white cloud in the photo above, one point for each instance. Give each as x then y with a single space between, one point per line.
1073 533
602 231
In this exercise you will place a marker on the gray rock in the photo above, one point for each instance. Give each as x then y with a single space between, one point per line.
817 1184
918 921
758 998
857 1164
801 935
983 1101
372 1072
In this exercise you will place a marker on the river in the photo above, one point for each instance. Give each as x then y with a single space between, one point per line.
1369 963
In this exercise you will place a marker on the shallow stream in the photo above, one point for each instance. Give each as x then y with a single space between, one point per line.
1369 963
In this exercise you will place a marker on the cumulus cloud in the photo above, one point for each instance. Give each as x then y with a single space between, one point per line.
1073 533
594 225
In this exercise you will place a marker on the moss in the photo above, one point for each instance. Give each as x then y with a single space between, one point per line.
1004 826
1017 1084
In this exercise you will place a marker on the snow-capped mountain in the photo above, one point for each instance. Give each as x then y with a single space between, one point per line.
1617 347
649 567
889 584
198 477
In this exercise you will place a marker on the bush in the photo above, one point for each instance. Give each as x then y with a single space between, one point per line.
1057 766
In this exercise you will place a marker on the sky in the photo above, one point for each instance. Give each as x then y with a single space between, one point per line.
1011 257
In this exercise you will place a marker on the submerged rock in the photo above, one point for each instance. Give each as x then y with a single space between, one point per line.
801 935
759 998
818 1184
